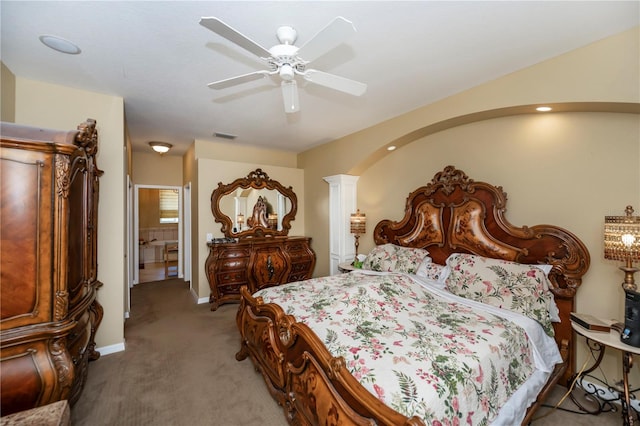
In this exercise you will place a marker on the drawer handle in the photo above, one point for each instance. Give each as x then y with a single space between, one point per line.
270 267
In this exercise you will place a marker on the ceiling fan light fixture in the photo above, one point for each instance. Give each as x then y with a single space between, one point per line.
286 72
160 147
287 61
290 96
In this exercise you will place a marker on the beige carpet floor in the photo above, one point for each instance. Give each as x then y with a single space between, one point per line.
179 369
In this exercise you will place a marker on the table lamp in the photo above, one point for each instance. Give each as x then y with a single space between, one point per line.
240 220
622 242
358 227
272 219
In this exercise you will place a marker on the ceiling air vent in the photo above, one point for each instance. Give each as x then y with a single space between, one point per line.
224 135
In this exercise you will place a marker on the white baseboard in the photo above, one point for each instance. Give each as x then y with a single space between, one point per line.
111 349
199 300
608 395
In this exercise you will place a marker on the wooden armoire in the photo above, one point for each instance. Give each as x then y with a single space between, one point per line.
48 263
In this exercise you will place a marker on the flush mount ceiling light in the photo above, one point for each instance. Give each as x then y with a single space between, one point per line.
160 147
60 44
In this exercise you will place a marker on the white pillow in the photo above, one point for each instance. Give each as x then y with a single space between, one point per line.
545 268
432 271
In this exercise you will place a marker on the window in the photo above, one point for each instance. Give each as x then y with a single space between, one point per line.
168 206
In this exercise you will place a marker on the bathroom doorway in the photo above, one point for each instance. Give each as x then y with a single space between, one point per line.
158 230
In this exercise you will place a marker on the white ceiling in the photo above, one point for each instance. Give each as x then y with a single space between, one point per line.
156 56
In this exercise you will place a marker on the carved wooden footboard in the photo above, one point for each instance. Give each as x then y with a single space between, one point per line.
260 341
312 386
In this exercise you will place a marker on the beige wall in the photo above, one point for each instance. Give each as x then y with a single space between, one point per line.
155 169
7 94
569 168
210 173
244 154
612 63
57 107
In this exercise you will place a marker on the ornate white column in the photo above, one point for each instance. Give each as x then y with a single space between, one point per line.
342 202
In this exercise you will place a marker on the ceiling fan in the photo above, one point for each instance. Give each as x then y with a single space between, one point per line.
288 61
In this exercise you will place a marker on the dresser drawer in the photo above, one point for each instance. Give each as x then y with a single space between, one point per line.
27 361
227 289
297 246
231 264
301 267
233 252
231 277
269 267
79 338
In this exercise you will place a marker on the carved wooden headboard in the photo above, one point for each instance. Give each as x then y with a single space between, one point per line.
456 214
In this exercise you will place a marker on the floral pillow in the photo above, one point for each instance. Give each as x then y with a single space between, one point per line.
508 285
392 258
432 271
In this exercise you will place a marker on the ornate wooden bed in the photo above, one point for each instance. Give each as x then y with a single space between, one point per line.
450 214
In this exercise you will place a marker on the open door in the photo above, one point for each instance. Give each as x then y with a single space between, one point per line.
131 260
152 234
186 221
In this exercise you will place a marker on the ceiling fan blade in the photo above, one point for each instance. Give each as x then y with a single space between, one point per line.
327 38
290 96
234 81
233 35
335 82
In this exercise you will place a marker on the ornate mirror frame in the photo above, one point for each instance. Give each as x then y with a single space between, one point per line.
254 180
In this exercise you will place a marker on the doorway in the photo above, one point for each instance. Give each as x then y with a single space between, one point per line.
158 231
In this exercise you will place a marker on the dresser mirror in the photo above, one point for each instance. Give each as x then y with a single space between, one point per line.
254 206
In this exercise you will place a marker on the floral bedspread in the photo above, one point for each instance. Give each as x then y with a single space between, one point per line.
421 354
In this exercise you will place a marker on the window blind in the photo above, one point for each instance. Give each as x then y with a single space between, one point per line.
168 205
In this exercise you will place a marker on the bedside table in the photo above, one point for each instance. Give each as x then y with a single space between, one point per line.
598 341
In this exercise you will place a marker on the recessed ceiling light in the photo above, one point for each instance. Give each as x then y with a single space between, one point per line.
391 148
544 109
60 44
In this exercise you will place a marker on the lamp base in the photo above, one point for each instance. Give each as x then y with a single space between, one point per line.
357 243
629 283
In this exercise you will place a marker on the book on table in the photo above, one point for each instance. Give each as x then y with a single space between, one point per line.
590 322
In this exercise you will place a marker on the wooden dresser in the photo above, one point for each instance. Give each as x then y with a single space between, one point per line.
48 263
256 263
